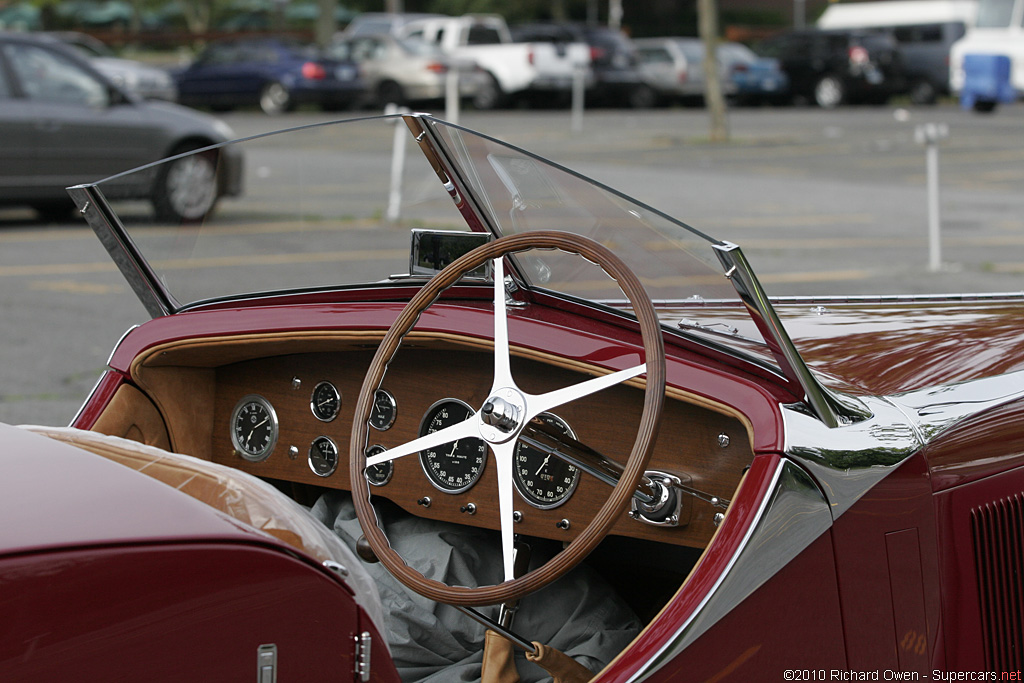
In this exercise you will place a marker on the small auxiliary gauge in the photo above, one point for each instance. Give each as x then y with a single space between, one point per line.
325 401
385 410
323 456
379 474
254 428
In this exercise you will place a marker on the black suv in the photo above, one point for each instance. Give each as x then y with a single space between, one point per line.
837 67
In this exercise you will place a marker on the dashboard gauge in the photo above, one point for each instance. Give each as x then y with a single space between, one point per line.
325 401
385 410
254 428
455 466
378 474
545 481
323 456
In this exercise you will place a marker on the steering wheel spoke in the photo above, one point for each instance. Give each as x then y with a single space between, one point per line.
465 429
503 455
544 402
502 370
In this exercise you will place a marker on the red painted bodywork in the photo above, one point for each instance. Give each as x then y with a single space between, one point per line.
106 574
884 588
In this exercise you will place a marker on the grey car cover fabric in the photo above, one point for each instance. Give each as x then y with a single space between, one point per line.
579 614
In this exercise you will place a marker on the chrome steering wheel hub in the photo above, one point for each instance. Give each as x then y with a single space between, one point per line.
502 415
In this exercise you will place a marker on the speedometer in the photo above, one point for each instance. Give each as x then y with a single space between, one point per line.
544 480
455 466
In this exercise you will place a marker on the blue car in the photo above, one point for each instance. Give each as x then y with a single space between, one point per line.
275 73
752 79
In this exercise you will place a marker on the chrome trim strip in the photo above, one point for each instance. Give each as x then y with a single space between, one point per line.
125 254
110 358
87 400
794 504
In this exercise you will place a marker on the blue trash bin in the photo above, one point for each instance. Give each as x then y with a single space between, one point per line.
986 82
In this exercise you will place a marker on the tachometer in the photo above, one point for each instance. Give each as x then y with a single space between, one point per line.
452 467
254 428
545 481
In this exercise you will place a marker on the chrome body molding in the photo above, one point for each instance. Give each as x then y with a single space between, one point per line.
936 409
793 514
848 461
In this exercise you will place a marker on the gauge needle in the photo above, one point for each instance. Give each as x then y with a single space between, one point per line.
254 428
542 465
455 445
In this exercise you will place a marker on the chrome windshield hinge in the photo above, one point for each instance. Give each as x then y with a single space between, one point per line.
364 642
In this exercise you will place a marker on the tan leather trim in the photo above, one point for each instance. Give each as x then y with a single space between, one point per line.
133 416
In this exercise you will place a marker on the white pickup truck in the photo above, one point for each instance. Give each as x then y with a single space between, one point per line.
517 70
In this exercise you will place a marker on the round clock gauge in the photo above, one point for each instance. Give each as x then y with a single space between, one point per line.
254 428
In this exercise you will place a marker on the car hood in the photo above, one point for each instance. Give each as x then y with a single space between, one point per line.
885 346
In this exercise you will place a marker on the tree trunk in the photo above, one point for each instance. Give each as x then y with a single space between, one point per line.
714 98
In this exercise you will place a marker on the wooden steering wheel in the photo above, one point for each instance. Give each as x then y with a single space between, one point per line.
499 421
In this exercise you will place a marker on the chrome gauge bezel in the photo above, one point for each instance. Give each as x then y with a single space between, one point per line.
273 427
325 392
387 414
319 454
425 457
529 496
382 471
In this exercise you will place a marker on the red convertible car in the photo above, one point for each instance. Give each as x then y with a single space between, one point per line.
470 415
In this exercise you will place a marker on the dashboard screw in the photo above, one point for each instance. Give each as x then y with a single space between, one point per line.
723 440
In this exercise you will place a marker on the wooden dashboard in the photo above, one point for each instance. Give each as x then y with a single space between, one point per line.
707 449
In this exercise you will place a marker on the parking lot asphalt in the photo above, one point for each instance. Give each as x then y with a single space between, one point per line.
823 202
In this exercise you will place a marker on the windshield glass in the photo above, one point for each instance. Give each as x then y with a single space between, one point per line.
520 193
332 205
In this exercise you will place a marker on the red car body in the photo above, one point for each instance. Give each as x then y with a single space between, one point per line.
887 546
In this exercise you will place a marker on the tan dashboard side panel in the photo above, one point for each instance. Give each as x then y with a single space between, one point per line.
131 415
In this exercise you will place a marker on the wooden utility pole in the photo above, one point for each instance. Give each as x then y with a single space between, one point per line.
714 98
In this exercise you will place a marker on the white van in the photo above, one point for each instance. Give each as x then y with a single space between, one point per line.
925 31
999 30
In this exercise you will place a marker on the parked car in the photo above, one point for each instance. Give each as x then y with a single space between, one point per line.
388 23
63 123
924 30
670 475
516 70
147 81
674 67
405 71
276 74
616 78
831 68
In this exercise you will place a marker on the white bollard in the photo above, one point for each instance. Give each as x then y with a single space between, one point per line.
451 93
579 87
929 135
394 211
